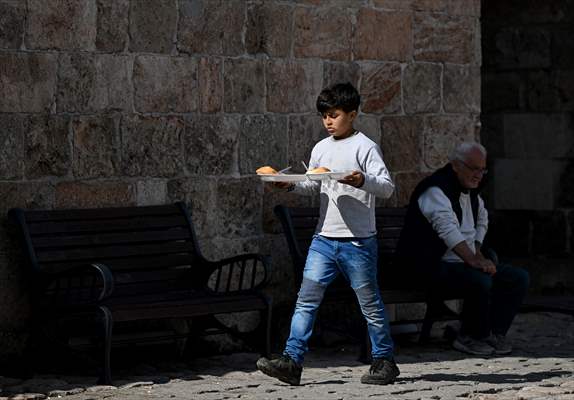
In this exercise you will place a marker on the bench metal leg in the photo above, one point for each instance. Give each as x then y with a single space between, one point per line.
267 328
107 327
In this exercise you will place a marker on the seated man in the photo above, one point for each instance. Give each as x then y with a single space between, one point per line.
445 225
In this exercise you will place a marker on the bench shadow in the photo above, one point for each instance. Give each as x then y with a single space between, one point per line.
486 378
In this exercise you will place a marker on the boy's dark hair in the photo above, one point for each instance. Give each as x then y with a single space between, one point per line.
339 95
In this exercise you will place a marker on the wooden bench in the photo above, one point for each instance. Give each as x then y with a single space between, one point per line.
136 263
396 285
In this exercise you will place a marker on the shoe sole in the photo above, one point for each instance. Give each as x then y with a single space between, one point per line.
461 347
272 372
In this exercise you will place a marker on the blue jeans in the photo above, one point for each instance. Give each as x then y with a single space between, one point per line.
356 259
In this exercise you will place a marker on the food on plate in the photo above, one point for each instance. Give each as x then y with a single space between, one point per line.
266 170
319 170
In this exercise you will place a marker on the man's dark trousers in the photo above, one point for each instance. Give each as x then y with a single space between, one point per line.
490 302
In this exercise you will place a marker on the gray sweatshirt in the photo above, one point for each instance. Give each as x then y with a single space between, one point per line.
345 211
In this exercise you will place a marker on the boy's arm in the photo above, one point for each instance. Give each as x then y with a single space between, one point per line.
377 179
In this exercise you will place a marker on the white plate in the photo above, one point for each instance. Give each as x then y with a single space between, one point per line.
283 177
328 175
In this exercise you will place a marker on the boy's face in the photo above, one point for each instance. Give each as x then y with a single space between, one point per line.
339 123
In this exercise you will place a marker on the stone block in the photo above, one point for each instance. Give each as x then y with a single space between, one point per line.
492 135
211 27
209 143
322 33
444 38
405 183
422 88
61 25
461 89
337 72
152 26
262 141
244 86
13 131
410 311
562 44
464 7
218 248
538 136
198 193
238 207
96 146
210 73
90 83
370 125
112 25
514 188
304 132
383 35
502 91
402 143
152 146
151 192
30 195
28 82
292 86
505 224
565 85
165 84
80 194
12 23
519 48
549 233
273 197
403 5
529 12
338 3
442 133
381 88
269 29
566 189
48 150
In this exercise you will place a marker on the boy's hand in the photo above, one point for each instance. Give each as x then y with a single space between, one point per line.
356 179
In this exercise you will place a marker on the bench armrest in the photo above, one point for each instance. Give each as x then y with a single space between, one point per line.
98 269
246 272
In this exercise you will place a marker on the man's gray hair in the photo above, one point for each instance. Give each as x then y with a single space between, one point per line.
462 150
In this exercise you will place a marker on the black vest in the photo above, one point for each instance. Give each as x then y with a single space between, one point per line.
419 245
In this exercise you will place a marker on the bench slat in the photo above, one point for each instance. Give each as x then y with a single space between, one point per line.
100 213
92 253
61 241
107 225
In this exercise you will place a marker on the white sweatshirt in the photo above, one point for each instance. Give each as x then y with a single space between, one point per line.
345 211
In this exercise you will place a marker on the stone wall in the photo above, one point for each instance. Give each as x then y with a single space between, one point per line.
528 127
119 102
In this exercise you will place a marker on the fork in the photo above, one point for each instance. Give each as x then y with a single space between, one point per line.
284 169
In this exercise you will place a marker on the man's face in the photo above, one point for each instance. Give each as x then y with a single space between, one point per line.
470 170
339 123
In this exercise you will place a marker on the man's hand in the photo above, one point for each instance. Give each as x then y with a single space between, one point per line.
282 185
485 265
356 179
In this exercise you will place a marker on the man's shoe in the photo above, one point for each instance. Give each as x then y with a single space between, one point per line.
499 343
282 368
382 372
469 345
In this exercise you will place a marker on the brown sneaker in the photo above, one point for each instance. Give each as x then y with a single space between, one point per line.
382 372
282 368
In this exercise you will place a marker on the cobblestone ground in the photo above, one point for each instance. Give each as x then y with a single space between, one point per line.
541 367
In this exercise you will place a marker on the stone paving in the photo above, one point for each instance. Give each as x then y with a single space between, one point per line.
541 367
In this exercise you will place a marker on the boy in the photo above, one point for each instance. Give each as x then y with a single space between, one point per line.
345 241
